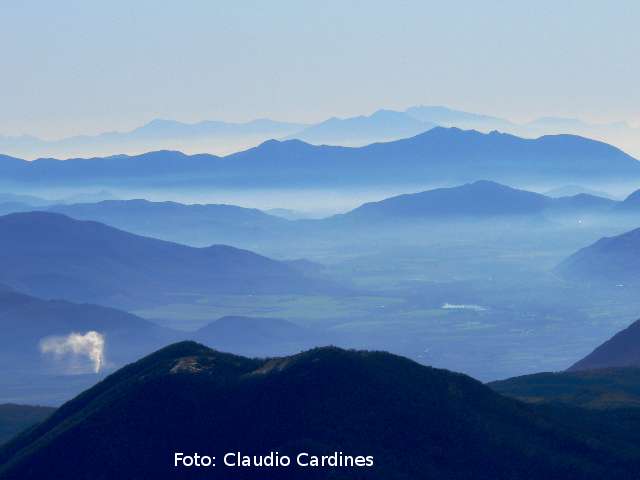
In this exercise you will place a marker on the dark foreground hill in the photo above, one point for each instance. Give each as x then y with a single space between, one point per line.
16 418
621 350
606 388
53 256
415 421
611 261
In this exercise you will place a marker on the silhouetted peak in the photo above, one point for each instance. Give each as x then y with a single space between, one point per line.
633 197
161 122
489 184
452 133
161 153
278 145
192 358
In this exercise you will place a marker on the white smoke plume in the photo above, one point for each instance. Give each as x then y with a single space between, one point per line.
89 345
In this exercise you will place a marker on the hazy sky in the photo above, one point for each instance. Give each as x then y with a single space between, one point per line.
71 67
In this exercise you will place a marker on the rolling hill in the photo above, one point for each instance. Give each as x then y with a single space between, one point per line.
192 224
584 202
415 421
611 261
572 190
26 320
31 375
621 350
442 155
50 255
202 225
477 200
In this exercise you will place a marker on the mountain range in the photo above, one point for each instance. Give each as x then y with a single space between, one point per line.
202 225
381 126
440 155
219 137
191 224
205 136
50 255
415 421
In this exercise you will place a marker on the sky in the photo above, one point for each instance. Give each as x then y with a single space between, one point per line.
83 67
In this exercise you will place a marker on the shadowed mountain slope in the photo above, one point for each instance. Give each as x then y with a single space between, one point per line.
417 422
53 256
478 200
621 350
193 224
606 388
26 320
16 418
611 261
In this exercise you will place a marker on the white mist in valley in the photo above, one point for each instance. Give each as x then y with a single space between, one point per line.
460 306
88 346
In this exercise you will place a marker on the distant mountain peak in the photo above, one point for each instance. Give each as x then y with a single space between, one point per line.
163 121
381 125
273 143
490 184
423 155
479 199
